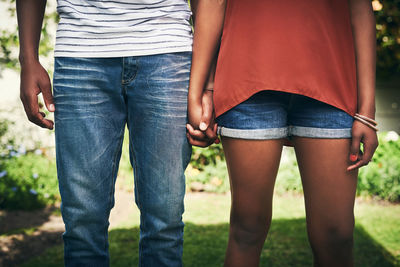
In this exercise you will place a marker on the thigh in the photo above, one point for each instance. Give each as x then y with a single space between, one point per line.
89 123
329 189
157 117
252 167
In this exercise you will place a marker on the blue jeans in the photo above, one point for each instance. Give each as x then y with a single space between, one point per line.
94 99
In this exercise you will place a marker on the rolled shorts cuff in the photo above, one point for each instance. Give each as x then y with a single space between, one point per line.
319 132
278 133
254 134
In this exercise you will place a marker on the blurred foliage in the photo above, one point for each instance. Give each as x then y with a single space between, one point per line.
5 139
381 178
8 41
207 170
288 178
387 16
28 179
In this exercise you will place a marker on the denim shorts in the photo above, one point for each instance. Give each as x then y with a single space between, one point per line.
275 115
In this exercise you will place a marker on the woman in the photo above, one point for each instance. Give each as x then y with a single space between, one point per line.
303 70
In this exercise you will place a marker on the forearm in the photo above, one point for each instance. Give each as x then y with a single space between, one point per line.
30 18
363 25
208 24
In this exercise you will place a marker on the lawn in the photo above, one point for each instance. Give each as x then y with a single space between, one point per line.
377 235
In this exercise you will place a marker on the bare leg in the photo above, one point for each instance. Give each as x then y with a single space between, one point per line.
329 192
252 167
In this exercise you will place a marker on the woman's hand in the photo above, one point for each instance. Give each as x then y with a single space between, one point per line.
362 134
202 129
364 36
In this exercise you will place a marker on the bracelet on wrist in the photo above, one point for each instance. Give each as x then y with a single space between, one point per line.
366 121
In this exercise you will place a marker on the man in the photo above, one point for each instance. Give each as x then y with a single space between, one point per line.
116 62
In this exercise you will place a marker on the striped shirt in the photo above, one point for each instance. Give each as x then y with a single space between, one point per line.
117 28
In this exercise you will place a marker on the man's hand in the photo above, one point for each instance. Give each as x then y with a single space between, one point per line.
362 134
202 129
35 80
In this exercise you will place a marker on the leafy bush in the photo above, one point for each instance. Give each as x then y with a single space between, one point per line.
28 179
207 170
288 178
381 178
387 15
207 156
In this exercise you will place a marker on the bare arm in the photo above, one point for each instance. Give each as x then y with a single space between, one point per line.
208 23
34 78
363 26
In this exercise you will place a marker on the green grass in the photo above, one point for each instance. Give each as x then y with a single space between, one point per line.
377 235
24 231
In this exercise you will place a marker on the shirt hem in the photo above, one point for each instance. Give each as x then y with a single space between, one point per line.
225 108
105 54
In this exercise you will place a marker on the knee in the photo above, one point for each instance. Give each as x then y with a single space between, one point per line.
162 216
337 238
341 237
247 232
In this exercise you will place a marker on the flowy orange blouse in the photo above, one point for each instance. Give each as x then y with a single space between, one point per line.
296 46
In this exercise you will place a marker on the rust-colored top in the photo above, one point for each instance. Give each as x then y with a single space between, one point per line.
296 46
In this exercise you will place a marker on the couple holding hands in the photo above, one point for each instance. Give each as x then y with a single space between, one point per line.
256 73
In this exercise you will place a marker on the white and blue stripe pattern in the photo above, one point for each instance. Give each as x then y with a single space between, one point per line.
117 28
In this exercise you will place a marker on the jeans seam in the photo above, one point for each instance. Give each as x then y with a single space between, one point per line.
135 171
135 182
113 178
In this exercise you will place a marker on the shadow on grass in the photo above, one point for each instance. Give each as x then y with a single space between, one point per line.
21 237
205 245
18 219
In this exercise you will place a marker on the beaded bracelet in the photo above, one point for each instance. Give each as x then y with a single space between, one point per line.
366 121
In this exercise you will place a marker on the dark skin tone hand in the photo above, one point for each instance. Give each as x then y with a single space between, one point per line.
202 135
208 20
34 78
363 25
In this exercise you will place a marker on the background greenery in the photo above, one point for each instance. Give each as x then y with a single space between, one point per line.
388 38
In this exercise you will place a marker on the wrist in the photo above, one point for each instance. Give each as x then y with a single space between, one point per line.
367 112
194 99
26 59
